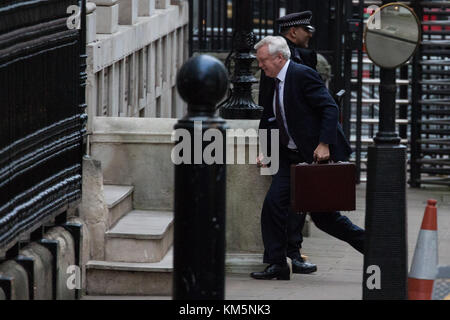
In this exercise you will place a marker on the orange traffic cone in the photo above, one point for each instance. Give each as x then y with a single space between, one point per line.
425 260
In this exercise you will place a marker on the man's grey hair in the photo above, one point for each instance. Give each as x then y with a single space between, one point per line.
276 45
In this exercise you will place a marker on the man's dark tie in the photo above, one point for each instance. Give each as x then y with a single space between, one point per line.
284 138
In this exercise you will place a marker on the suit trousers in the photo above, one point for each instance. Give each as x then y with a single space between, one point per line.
281 227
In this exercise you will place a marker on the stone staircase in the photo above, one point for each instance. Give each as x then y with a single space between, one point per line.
138 249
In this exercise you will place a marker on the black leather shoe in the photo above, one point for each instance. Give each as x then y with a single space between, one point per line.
273 271
300 266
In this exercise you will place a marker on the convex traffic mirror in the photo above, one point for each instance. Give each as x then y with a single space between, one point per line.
392 35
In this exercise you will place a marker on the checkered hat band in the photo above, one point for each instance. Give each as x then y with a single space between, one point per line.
294 23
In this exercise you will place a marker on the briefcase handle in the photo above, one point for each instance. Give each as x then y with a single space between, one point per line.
324 161
329 161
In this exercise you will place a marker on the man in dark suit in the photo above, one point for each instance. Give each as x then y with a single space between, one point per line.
301 108
297 30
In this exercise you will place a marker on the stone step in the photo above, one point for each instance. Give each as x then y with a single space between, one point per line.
243 263
119 200
127 278
140 236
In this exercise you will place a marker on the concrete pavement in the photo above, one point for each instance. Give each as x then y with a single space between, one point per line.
339 275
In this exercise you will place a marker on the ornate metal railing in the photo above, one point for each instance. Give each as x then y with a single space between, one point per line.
42 118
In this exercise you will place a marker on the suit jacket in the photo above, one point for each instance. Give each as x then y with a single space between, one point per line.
311 113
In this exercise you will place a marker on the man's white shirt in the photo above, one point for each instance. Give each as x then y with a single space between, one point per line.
282 77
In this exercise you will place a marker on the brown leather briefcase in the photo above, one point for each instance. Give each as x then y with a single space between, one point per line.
323 187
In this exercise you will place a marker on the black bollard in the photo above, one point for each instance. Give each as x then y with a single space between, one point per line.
199 227
386 246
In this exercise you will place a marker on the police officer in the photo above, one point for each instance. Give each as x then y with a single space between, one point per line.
296 28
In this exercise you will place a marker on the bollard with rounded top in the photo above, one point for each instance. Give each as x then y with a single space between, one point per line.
199 226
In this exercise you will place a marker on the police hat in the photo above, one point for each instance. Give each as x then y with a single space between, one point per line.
297 19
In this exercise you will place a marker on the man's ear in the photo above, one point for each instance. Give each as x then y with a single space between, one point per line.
293 31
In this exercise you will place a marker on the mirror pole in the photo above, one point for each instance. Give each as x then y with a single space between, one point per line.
388 91
385 222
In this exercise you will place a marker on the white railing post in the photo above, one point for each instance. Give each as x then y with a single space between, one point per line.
146 8
91 22
107 16
128 12
162 4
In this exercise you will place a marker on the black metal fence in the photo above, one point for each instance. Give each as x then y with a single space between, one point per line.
42 115
212 26
422 96
430 129
212 22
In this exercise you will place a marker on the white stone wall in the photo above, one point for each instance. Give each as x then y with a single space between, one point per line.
132 67
137 152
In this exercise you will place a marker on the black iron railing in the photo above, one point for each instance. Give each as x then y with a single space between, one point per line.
422 100
42 115
212 21
212 25
430 129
